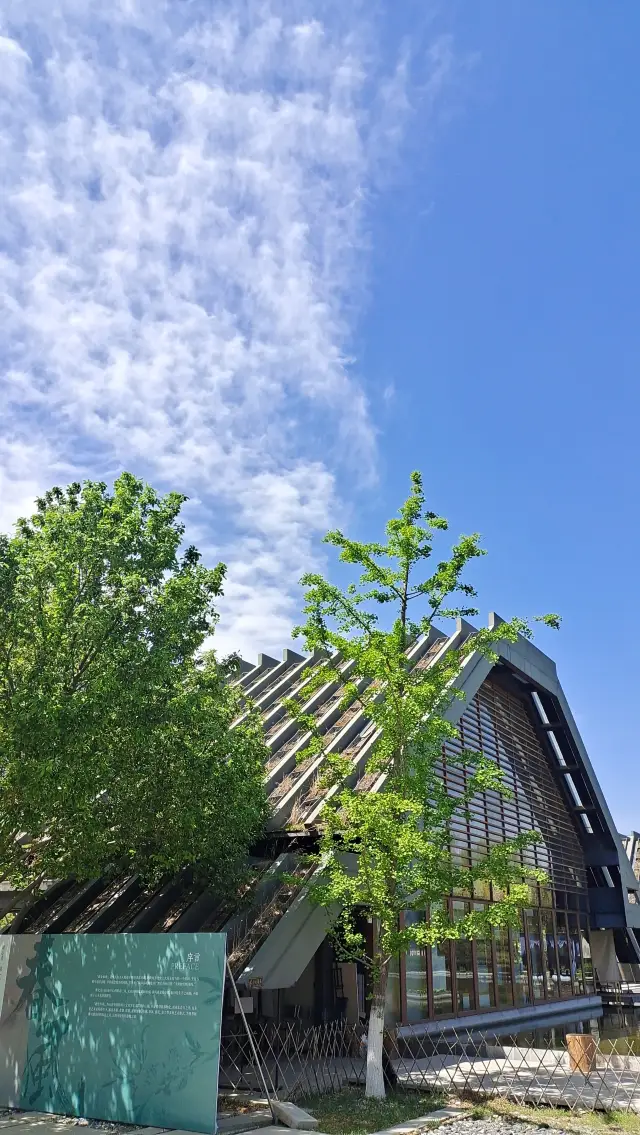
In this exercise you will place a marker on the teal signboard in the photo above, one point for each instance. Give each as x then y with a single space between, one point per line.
123 1027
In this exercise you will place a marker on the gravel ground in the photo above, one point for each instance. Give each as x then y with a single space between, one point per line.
95 1124
493 1126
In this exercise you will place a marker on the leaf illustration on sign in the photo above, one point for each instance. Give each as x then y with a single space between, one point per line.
42 1081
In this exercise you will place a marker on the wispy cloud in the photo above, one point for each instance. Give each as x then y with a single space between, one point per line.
182 237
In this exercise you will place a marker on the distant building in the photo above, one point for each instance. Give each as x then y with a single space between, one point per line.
514 711
631 844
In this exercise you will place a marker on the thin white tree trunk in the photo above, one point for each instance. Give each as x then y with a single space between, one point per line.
375 1087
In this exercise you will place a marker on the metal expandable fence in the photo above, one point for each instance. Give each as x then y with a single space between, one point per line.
298 1060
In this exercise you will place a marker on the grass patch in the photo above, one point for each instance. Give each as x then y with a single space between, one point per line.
558 1117
347 1112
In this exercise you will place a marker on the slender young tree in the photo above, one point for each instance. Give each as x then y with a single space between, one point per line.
384 853
117 751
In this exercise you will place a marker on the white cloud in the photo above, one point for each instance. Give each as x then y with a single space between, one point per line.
182 232
9 46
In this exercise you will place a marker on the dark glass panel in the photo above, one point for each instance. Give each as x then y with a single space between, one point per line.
464 964
484 971
441 978
504 985
520 967
587 964
416 975
532 919
550 961
575 954
564 960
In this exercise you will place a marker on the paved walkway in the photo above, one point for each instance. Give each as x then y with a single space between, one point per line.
542 1078
26 1122
527 1081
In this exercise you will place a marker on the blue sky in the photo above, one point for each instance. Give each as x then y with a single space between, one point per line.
276 255
504 313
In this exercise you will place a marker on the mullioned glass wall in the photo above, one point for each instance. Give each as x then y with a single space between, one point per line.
548 958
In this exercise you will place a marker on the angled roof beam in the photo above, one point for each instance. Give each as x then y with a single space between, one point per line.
273 673
265 662
354 724
290 689
290 726
353 727
260 688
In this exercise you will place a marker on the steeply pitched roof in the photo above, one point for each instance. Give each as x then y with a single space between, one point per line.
297 796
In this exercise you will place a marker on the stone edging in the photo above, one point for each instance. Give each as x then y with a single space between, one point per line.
424 1122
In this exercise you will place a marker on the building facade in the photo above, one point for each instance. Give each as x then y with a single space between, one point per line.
549 959
631 844
515 712
574 931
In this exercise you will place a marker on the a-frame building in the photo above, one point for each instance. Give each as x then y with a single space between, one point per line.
516 712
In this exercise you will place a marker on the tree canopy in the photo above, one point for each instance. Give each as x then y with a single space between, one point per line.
117 750
391 851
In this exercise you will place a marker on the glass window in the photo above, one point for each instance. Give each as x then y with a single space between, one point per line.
464 964
549 957
416 975
520 966
587 964
392 1009
535 954
481 889
575 954
504 986
484 969
564 960
441 977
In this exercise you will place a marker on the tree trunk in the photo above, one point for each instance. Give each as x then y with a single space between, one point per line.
375 1088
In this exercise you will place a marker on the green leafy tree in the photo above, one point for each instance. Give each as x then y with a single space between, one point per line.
117 751
391 851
